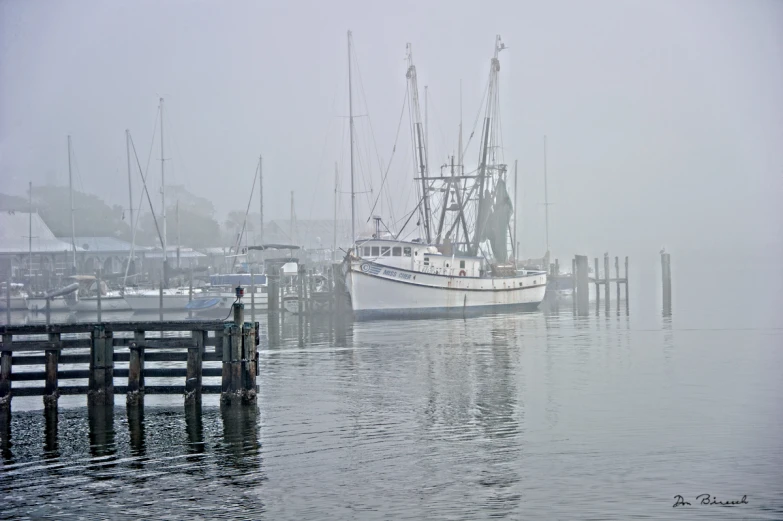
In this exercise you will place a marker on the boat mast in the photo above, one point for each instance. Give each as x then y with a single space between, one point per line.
481 214
350 125
515 239
334 242
73 224
29 236
546 201
419 142
261 194
163 200
130 186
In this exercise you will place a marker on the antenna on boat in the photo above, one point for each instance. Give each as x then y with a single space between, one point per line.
163 200
350 125
546 200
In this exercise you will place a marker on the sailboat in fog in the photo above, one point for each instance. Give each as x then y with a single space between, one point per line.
464 263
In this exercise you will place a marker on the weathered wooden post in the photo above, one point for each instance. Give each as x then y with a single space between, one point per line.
300 276
101 381
190 293
666 276
136 370
607 285
617 280
99 294
8 299
249 363
582 285
194 368
627 302
252 296
234 361
597 279
52 357
5 371
330 288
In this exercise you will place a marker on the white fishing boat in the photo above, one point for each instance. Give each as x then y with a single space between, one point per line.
464 262
37 304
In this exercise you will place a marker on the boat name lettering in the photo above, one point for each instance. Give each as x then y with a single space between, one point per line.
390 273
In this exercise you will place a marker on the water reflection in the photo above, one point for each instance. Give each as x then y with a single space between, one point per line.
5 435
51 446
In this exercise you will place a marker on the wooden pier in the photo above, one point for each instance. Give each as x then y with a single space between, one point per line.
99 346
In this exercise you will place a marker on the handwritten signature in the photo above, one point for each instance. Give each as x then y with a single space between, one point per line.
706 499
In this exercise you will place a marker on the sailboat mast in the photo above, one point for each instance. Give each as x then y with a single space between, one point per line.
546 200
163 199
261 195
515 240
350 125
334 241
419 142
29 238
73 223
130 186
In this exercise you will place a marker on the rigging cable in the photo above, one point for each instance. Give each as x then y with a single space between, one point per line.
394 149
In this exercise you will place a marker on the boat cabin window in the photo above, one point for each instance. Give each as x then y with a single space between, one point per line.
396 251
461 264
385 251
426 261
406 252
375 251
366 251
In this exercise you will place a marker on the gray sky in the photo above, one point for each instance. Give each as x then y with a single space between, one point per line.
664 119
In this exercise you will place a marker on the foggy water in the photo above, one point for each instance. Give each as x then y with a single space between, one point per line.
540 416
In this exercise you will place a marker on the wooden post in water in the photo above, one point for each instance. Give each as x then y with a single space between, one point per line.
597 279
99 294
666 276
52 357
607 286
582 285
617 280
249 363
235 362
190 292
252 296
135 395
627 302
194 369
101 381
5 371
8 298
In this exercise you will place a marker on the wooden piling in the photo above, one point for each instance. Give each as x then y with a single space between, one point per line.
627 302
666 281
238 341
99 294
252 296
582 285
8 300
193 378
135 394
5 371
607 286
617 280
597 280
101 380
51 393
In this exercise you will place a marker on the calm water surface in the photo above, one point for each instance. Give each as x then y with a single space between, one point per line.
537 416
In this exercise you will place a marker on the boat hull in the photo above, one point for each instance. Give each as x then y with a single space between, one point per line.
38 305
151 303
90 305
377 291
